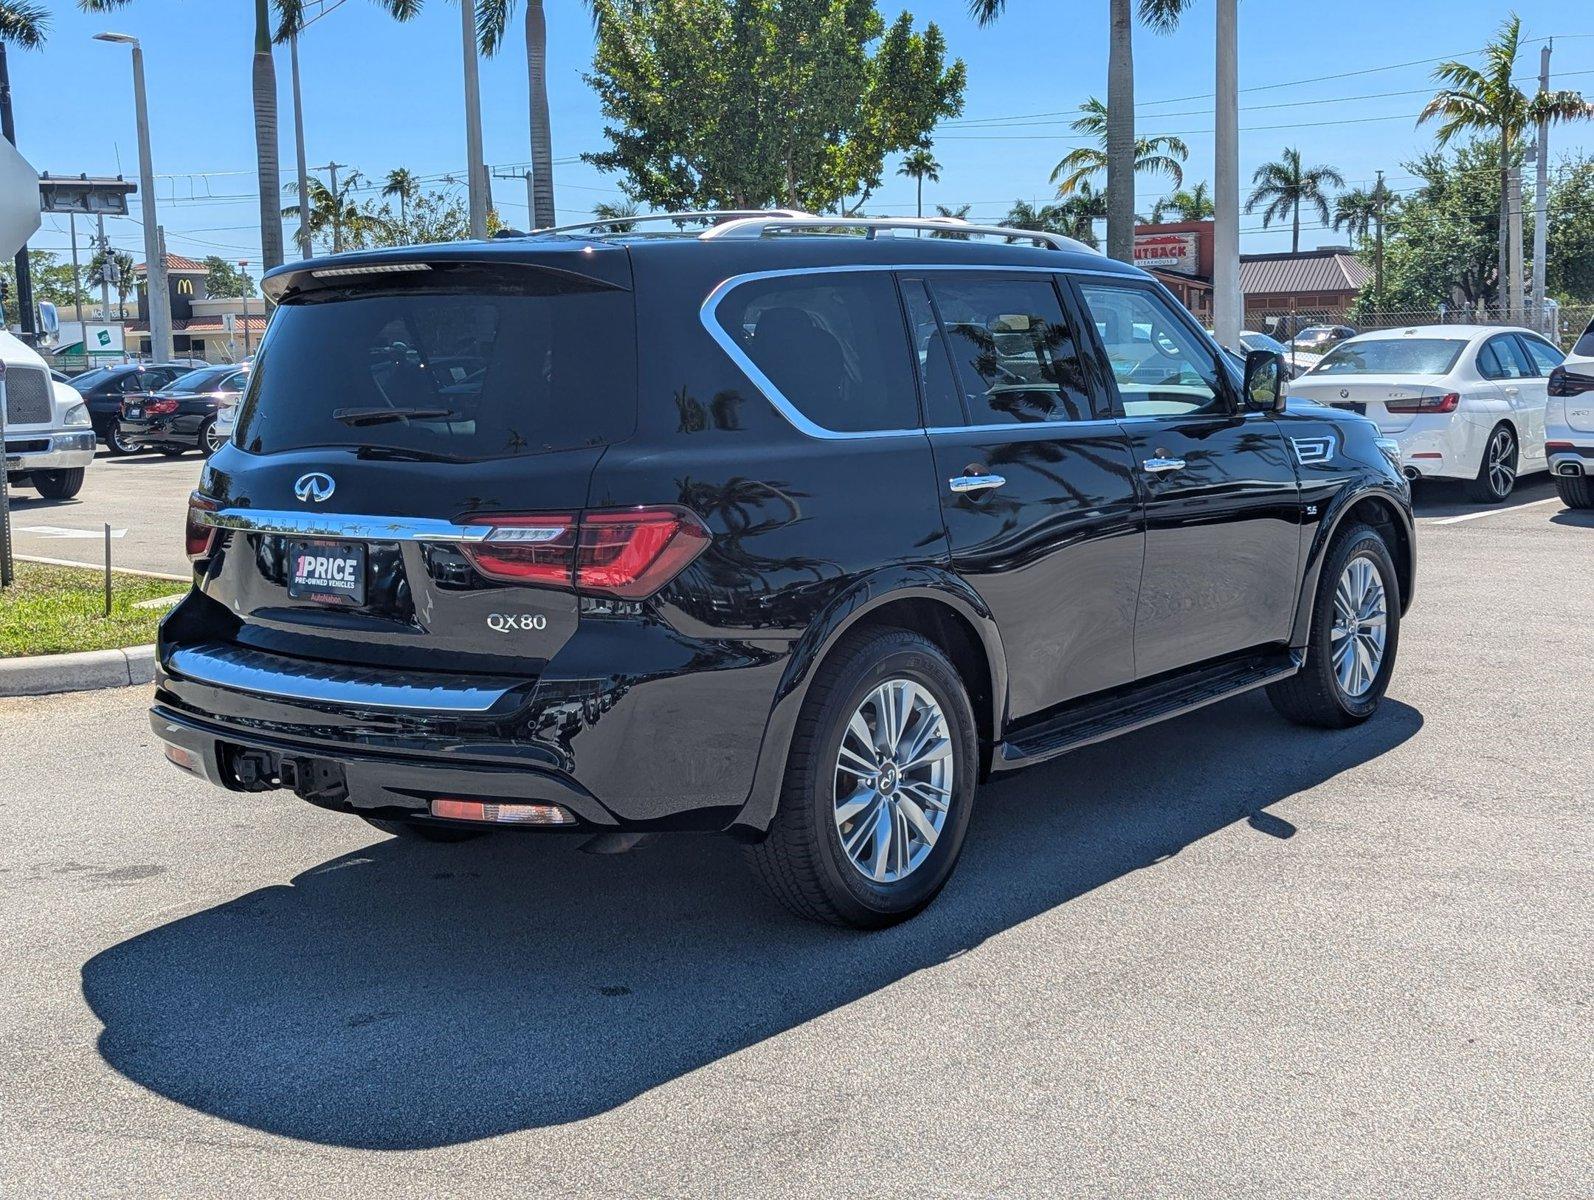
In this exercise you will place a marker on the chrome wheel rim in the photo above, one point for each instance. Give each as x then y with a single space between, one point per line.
893 781
1502 472
121 442
1361 625
213 440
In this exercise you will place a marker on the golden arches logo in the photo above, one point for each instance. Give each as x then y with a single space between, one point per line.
185 287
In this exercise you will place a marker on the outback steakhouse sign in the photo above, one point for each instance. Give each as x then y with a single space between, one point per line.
1168 251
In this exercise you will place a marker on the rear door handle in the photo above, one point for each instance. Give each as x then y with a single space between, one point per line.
974 483
1158 465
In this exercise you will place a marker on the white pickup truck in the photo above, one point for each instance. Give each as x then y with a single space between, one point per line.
49 439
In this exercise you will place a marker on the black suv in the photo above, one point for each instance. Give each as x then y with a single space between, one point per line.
789 529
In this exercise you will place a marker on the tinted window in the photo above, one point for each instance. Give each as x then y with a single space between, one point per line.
204 380
1261 341
1013 353
1392 356
1545 356
469 373
1161 366
1585 344
90 379
1502 358
943 403
236 382
137 381
831 344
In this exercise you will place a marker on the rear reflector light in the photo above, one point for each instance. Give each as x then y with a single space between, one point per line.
186 759
629 554
1559 447
199 537
1568 383
501 814
1427 454
1427 404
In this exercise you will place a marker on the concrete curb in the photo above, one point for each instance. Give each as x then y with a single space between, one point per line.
43 674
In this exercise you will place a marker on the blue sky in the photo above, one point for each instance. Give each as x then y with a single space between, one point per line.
379 95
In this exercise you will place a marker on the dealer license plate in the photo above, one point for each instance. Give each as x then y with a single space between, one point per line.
327 572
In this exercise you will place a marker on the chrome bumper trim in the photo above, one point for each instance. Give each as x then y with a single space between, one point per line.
343 525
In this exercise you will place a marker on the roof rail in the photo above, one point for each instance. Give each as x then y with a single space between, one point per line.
712 214
756 225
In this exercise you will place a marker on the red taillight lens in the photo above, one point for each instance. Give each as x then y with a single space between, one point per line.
633 554
1448 403
1558 447
159 408
1568 383
629 554
199 536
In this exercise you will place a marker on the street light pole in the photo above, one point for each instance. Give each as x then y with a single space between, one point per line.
1227 302
159 299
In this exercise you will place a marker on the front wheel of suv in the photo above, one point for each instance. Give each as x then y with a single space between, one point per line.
1355 631
879 785
417 832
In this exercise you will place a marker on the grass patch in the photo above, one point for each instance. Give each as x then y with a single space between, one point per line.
53 610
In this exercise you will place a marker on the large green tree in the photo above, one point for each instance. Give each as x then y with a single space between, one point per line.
52 279
1569 265
226 279
1162 15
757 103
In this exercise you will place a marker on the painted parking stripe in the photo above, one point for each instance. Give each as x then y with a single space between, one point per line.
1488 512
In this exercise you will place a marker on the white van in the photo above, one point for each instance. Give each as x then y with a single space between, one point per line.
49 439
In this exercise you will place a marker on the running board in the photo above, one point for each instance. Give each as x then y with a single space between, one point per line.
1140 705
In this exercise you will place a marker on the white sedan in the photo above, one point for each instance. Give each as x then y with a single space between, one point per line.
1462 401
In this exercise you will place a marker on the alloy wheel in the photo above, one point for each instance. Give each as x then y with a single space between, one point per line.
1360 627
893 781
213 440
1502 470
120 443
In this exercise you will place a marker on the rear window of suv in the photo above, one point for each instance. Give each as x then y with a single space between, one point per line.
499 371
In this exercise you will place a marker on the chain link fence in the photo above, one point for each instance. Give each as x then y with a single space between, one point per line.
1562 324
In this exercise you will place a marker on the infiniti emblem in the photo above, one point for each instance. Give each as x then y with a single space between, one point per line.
316 487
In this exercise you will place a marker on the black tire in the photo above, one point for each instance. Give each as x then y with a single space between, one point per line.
802 861
1313 695
1575 491
1490 487
118 445
418 832
59 485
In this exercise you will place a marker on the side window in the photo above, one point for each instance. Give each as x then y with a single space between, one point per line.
943 404
138 381
236 382
1015 357
832 344
1502 358
1545 356
1162 368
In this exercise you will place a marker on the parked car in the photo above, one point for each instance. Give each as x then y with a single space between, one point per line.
49 441
183 415
104 389
1319 339
1298 362
1569 424
1463 401
771 529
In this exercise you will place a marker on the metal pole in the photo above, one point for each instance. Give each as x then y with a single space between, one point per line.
245 263
159 299
1227 303
474 162
107 569
24 271
531 202
298 139
337 206
77 279
1541 197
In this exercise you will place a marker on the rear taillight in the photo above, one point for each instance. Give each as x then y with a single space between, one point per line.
1448 403
1568 383
159 408
629 554
199 536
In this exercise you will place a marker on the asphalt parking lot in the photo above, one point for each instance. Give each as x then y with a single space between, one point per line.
1223 956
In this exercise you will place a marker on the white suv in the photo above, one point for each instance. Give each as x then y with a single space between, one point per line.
1569 424
49 439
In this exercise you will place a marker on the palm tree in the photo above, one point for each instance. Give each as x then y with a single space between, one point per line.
290 18
1161 15
1153 156
1192 205
344 219
1082 208
1486 101
1285 185
1353 212
402 184
616 215
23 24
918 165
960 213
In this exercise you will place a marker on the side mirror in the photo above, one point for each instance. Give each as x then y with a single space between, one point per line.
1264 380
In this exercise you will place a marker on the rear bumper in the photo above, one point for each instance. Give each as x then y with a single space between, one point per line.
1570 461
53 450
161 432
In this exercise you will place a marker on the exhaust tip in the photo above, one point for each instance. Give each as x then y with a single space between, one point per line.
1569 470
1411 473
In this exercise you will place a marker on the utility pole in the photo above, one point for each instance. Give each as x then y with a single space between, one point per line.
298 140
243 266
1227 303
24 272
473 124
337 206
105 272
1541 195
77 277
1379 196
1514 243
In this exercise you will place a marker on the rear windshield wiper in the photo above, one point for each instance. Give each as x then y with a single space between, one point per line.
382 414
400 454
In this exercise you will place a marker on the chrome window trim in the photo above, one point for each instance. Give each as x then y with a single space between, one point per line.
342 525
240 669
708 315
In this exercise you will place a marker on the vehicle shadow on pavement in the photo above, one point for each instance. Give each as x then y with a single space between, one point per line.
412 996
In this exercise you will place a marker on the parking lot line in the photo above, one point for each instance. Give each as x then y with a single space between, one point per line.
1488 512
